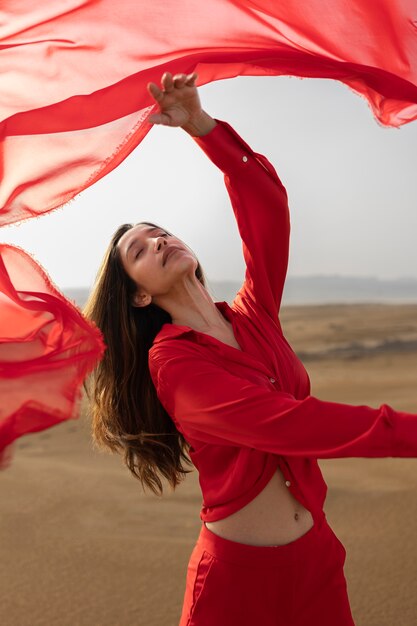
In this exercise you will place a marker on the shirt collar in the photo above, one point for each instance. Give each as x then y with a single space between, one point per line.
171 331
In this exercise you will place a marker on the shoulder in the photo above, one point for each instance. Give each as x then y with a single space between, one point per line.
247 306
172 351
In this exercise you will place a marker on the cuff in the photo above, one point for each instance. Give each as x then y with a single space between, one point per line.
404 433
225 148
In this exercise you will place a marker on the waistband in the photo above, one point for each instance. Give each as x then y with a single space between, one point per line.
251 555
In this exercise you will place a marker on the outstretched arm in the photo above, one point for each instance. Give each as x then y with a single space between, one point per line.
210 405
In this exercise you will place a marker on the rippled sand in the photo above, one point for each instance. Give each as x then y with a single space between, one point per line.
82 545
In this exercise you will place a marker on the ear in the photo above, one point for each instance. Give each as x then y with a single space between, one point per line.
141 299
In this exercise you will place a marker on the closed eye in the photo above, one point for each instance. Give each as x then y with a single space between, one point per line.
140 251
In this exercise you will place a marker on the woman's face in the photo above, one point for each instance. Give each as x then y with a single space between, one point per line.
155 260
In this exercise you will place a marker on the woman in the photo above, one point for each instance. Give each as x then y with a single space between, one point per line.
184 374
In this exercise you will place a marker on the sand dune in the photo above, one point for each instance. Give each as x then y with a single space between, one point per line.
82 545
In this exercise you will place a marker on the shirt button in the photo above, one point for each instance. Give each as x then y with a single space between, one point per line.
288 483
244 158
272 380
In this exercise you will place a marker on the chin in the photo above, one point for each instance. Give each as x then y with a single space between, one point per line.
185 268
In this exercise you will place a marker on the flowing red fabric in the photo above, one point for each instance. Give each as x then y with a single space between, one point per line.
46 350
74 103
74 73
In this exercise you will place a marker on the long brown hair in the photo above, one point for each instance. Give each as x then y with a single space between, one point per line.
127 416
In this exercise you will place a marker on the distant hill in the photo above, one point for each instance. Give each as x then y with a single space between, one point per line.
311 290
348 289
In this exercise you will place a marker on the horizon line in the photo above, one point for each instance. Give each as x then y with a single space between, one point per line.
292 276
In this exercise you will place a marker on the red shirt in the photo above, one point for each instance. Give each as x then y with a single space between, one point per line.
246 412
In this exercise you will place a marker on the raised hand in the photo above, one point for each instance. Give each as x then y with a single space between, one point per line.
179 102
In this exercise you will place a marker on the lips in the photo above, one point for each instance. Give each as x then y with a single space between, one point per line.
167 252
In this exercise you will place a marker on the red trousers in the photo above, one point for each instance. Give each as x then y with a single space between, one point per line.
301 583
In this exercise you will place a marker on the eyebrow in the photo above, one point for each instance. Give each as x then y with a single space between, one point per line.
147 230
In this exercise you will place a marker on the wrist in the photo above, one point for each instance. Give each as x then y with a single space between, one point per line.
200 124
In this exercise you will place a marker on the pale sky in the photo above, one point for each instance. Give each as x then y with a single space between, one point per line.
351 185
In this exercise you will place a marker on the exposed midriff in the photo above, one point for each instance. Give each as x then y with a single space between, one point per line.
273 517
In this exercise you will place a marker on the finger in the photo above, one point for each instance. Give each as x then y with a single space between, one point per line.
159 118
179 80
167 82
155 91
191 78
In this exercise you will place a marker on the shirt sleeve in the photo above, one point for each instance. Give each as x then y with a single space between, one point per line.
213 406
260 205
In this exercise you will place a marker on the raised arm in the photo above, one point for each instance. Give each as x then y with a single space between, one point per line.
258 198
260 205
210 405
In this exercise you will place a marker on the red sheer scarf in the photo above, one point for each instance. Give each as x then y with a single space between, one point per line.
73 105
46 350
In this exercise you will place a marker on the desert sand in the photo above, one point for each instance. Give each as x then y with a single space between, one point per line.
83 545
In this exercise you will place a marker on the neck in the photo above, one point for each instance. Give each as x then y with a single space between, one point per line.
190 304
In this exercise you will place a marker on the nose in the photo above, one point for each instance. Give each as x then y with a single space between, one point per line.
160 242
